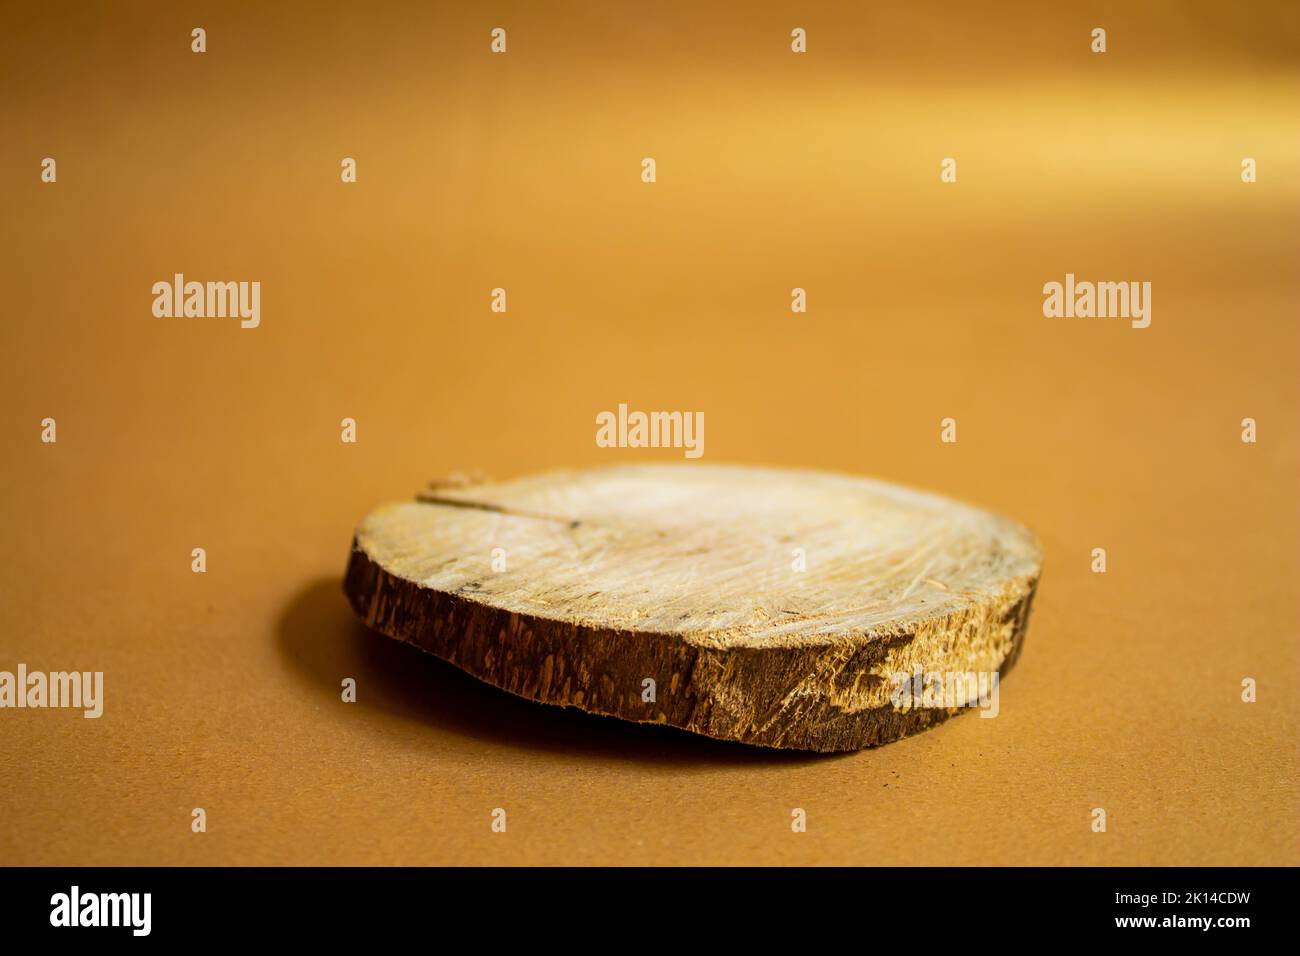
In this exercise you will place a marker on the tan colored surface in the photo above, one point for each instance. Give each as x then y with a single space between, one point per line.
774 171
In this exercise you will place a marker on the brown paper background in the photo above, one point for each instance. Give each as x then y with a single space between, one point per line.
522 171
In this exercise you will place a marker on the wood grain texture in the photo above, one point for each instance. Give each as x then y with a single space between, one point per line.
768 606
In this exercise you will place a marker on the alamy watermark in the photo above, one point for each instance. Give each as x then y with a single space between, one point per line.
75 908
945 690
208 300
79 690
651 430
1086 300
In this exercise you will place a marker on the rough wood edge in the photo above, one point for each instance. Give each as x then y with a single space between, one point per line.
782 697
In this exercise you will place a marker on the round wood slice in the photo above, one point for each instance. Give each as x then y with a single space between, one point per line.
773 607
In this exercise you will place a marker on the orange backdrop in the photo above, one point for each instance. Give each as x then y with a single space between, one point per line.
522 171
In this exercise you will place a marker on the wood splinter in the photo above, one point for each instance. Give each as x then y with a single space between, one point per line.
781 608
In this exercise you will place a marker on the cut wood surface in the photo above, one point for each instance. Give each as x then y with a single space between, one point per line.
772 607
